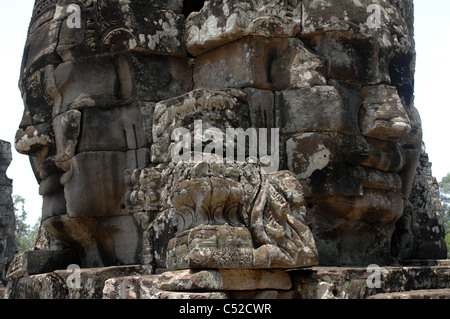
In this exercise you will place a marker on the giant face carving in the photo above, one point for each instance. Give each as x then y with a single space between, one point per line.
88 87
343 101
339 88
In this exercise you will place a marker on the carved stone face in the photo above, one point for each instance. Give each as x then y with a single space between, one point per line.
89 93
342 87
339 89
359 151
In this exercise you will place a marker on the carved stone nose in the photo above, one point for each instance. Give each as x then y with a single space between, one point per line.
382 115
33 138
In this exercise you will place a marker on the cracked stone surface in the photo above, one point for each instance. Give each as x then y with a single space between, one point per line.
342 176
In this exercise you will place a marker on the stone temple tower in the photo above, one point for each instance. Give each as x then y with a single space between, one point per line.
125 102
7 220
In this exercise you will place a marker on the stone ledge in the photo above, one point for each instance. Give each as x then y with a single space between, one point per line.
191 295
63 284
415 294
426 262
224 279
352 282
200 284
136 282
39 262
131 287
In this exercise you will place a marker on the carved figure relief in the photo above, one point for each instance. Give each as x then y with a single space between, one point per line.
103 101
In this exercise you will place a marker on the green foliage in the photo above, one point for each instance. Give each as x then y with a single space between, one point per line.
25 234
444 188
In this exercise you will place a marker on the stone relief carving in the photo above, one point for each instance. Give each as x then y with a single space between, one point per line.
228 215
101 104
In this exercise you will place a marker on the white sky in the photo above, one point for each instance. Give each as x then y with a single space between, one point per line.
432 28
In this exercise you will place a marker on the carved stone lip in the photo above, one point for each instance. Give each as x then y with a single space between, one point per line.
388 159
44 165
50 184
65 178
388 181
380 206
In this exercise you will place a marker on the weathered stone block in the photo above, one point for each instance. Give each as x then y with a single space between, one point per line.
231 247
357 17
86 83
6 227
92 242
84 195
5 195
221 22
327 15
132 287
52 192
211 247
156 78
225 109
191 295
262 108
111 81
345 183
352 283
126 238
124 27
262 294
266 63
164 35
40 261
42 40
224 279
62 284
351 57
116 129
336 222
193 284
318 159
415 294
315 109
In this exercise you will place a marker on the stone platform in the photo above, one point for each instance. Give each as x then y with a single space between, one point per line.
416 294
356 283
417 280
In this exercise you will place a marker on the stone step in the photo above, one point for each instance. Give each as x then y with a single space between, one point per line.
202 284
415 294
426 262
362 283
137 282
